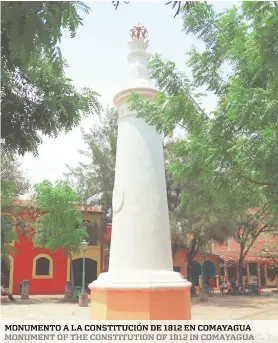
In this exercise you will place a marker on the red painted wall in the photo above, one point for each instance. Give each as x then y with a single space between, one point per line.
257 247
108 233
23 265
24 254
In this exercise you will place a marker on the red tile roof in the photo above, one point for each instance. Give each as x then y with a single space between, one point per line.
233 256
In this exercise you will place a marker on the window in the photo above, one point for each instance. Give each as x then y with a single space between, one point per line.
42 267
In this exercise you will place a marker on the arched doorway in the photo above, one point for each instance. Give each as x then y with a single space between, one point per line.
7 270
209 271
90 271
196 272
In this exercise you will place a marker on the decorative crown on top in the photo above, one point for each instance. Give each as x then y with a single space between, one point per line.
138 34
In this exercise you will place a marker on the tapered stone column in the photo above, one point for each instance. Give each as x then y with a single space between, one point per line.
248 273
140 283
226 272
217 281
259 275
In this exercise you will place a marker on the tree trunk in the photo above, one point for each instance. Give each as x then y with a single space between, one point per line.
240 266
190 275
174 250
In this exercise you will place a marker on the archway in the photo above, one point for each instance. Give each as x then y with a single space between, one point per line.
7 269
196 272
209 271
90 271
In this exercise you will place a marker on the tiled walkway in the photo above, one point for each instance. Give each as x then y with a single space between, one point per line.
218 307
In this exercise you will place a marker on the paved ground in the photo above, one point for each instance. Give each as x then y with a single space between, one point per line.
218 307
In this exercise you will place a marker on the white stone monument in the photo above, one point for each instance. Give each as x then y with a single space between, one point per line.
140 268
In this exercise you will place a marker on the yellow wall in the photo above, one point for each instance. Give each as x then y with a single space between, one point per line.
11 280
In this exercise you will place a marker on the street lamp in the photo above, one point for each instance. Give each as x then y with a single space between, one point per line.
84 246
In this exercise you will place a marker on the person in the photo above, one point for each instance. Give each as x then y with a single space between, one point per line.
225 285
211 285
245 288
5 293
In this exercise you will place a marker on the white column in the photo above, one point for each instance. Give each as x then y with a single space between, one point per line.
140 253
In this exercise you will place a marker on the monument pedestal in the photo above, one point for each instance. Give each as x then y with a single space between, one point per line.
142 295
141 304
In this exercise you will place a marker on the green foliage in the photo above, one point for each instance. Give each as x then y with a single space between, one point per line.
270 250
197 215
13 184
12 173
251 225
61 224
178 6
240 66
7 220
36 96
239 140
94 180
228 161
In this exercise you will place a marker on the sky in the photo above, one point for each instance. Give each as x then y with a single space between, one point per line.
97 58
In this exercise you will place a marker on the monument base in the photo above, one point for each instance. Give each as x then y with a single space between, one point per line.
141 304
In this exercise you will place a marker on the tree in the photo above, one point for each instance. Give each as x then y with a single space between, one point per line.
179 6
61 225
236 145
8 235
12 173
36 96
94 180
270 249
197 216
13 184
250 227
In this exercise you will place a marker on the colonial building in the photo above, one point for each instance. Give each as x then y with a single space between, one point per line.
47 271
258 264
222 263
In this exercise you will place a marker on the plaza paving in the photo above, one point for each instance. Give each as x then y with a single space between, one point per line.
218 307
